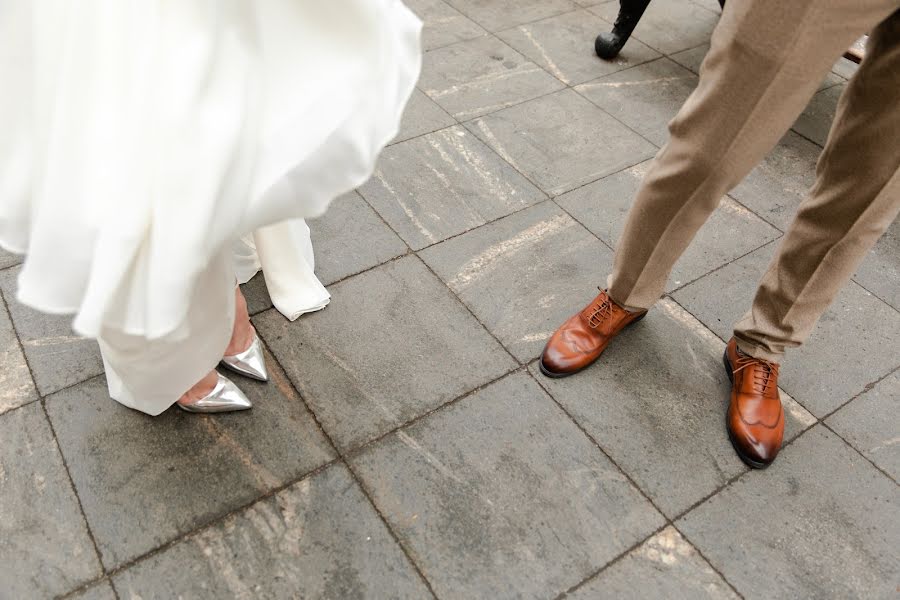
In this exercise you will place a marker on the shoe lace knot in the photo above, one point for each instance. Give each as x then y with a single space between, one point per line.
765 373
602 311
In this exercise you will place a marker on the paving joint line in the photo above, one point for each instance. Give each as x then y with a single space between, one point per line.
617 558
540 96
15 330
46 415
403 547
494 32
652 47
210 524
340 280
805 137
627 475
339 457
41 396
74 488
866 389
471 312
466 125
343 460
721 489
857 451
596 443
719 268
724 341
10 411
873 294
569 87
395 141
709 562
745 470
86 586
704 7
430 270
354 452
751 210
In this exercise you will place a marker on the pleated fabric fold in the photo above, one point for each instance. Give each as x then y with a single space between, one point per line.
143 139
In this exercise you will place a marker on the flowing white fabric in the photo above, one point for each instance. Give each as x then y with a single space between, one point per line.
284 252
142 139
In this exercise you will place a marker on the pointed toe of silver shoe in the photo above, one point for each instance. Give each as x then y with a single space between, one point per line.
250 363
225 397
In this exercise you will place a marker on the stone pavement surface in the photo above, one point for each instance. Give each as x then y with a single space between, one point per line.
407 447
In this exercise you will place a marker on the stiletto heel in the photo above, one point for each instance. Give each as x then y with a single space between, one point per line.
250 363
225 397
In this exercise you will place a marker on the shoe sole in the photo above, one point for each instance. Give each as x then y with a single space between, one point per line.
555 375
755 464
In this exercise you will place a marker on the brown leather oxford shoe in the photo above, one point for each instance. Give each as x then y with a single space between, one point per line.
755 420
583 338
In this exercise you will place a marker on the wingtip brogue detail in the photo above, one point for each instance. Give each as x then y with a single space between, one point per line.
755 418
584 336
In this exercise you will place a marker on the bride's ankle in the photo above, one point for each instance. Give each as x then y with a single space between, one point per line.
242 333
241 338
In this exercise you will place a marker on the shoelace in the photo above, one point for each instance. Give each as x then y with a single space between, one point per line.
602 312
763 377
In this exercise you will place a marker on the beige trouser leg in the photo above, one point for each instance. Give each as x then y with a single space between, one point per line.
766 60
855 198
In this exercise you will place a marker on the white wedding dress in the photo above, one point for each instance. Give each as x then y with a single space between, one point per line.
153 152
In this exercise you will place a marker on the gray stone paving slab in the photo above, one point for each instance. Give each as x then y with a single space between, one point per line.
16 387
443 24
523 275
561 141
503 14
692 58
501 496
731 231
665 566
814 122
45 548
564 46
256 294
443 184
481 76
144 481
820 523
871 423
880 270
656 403
844 68
831 80
423 115
668 25
8 259
393 344
645 97
58 358
351 238
853 344
99 591
775 188
319 538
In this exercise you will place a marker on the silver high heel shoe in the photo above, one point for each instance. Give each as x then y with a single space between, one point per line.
250 362
225 397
